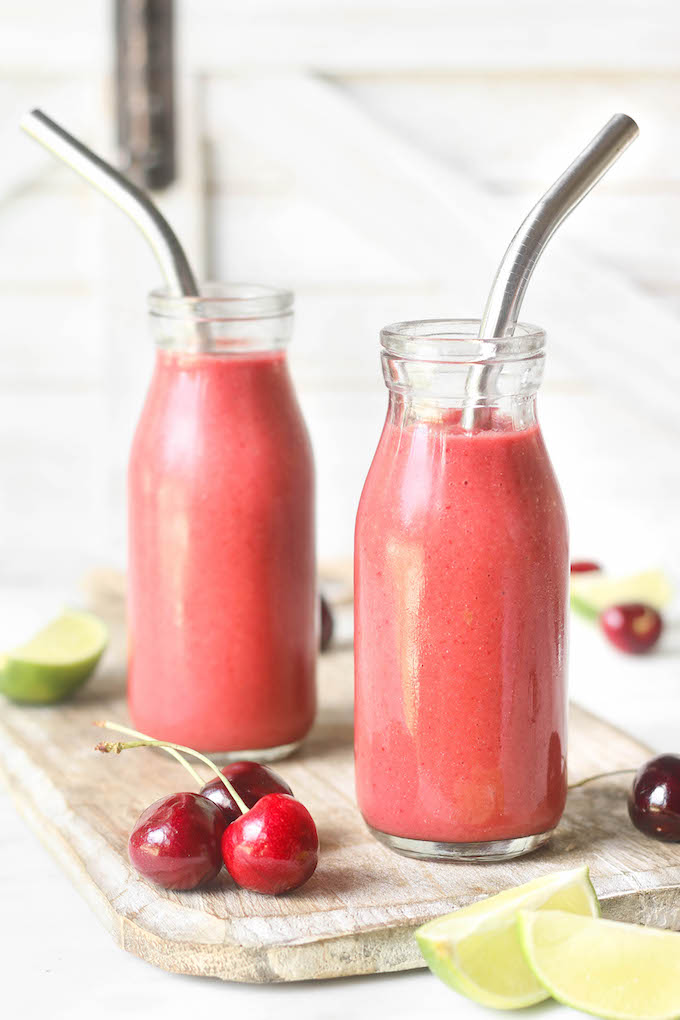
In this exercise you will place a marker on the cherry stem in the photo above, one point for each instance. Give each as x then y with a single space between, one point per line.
144 740
118 747
601 775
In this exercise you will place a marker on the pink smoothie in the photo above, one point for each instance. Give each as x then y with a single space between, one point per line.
222 599
461 588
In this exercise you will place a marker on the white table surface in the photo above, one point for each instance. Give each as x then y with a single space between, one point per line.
59 961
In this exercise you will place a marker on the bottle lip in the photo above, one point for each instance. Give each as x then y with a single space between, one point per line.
224 302
457 341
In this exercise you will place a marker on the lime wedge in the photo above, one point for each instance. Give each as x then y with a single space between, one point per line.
56 661
476 950
607 968
592 593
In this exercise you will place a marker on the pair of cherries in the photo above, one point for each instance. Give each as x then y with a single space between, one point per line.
181 841
632 627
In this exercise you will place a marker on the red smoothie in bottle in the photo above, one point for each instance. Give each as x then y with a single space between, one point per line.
222 592
461 599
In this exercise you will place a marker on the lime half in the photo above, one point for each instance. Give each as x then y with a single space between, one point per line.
56 661
607 968
476 950
593 593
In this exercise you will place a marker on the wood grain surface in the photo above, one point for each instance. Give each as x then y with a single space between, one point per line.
358 912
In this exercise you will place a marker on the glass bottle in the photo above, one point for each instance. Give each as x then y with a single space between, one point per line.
222 589
461 562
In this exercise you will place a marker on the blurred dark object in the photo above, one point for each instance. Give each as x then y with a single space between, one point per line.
327 624
584 566
145 98
654 800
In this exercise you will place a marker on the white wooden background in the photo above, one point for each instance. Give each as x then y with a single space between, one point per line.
375 155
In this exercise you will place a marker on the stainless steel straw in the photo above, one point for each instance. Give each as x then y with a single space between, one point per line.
525 249
132 200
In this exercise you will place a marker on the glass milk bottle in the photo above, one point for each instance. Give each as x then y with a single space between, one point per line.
222 588
462 573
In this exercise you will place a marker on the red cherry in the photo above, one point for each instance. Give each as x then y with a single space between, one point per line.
274 847
632 627
654 800
327 624
584 566
176 841
251 781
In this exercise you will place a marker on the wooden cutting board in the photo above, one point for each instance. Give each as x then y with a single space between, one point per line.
358 912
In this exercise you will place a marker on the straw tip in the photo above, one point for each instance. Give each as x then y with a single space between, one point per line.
628 121
29 118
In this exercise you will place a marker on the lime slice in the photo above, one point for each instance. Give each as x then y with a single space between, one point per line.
607 968
592 593
56 661
476 950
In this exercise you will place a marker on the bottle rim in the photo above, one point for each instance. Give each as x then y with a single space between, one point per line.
223 302
457 341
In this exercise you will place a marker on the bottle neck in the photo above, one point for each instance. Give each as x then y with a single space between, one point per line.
442 371
513 413
227 319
